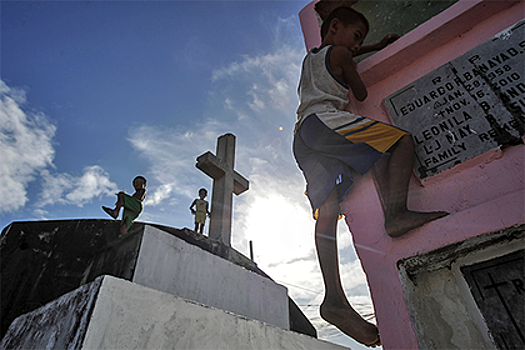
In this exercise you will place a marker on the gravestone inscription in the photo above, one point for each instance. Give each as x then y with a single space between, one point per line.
498 287
468 106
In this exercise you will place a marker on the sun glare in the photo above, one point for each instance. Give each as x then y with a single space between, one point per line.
280 230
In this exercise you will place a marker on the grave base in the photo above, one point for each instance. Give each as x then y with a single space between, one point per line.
111 313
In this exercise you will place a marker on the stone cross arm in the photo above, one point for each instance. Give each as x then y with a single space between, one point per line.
215 168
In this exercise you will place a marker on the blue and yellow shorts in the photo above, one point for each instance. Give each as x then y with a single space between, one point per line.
330 158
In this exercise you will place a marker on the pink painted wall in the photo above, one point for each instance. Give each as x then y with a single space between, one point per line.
483 195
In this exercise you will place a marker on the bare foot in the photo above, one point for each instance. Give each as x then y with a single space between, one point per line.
110 212
348 321
398 225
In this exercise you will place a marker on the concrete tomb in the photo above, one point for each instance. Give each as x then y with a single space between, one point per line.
455 82
168 264
111 313
41 261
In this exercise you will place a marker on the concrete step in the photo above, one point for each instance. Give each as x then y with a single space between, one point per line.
111 313
169 264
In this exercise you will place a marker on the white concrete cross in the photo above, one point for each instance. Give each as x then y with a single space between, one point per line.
225 182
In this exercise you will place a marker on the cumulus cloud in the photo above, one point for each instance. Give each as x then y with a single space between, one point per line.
259 92
26 145
171 154
163 192
76 190
269 81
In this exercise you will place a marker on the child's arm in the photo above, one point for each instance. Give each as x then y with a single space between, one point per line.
343 66
192 205
387 40
140 194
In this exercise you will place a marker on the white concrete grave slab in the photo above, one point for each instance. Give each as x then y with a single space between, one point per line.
174 266
112 313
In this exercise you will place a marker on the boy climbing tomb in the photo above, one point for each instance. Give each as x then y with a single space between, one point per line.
133 205
332 145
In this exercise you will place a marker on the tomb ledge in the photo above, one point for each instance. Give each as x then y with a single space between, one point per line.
433 35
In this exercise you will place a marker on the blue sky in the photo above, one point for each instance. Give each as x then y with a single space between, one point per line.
96 92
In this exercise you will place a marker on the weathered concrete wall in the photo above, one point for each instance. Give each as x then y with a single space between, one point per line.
40 261
116 314
484 194
437 293
442 320
60 324
173 266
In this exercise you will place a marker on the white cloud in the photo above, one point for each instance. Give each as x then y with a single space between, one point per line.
172 156
269 81
255 90
161 193
41 214
27 153
94 182
26 145
352 275
76 190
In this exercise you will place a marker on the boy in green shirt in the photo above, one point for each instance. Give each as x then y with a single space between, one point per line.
133 205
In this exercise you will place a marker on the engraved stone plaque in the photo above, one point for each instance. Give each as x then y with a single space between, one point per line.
498 287
468 106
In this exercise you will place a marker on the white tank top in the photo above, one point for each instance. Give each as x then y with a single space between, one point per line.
322 93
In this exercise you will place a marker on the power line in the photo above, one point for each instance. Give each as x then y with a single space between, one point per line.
295 286
366 316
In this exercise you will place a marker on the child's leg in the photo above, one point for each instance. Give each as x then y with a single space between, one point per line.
114 213
398 219
123 229
196 229
201 229
120 201
335 308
